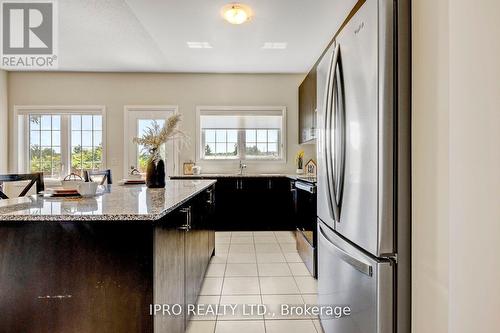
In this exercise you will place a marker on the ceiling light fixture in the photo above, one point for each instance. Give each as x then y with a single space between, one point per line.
199 45
274 46
236 13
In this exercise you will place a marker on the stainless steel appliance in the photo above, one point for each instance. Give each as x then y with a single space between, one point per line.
364 170
305 214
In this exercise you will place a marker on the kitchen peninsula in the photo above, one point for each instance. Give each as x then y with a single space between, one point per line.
97 264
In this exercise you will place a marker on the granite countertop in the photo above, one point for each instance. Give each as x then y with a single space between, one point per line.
236 175
244 175
117 203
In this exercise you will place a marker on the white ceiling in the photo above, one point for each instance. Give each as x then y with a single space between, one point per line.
152 35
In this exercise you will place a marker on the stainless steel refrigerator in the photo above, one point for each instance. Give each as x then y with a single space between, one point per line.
364 191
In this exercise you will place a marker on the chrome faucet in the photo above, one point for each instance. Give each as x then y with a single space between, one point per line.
242 167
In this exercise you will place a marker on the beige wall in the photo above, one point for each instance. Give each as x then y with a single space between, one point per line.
114 90
456 166
430 166
475 166
3 123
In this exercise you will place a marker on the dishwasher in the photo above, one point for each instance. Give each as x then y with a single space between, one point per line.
306 230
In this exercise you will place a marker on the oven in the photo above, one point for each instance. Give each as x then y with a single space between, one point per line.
306 229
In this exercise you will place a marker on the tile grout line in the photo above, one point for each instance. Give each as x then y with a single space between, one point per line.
223 279
260 287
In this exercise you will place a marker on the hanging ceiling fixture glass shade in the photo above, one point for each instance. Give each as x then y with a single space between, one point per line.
236 13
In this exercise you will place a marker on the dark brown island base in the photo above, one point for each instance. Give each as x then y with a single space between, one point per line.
98 264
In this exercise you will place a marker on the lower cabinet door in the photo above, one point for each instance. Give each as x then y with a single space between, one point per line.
211 244
202 263
192 266
169 277
209 216
349 278
196 262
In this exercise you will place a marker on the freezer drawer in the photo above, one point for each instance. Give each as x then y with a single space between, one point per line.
348 277
307 249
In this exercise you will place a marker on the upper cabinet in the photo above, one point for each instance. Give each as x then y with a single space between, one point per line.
339 13
307 108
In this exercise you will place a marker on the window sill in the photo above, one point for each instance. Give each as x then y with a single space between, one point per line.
246 160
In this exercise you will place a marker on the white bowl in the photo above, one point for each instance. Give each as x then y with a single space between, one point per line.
87 189
71 184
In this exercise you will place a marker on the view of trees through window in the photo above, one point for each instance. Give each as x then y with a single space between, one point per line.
86 143
221 143
142 154
45 144
261 143
226 143
49 146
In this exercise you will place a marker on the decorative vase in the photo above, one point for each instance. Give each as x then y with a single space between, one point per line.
299 166
155 172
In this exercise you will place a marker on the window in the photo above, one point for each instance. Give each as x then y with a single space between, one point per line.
262 143
86 143
137 118
221 143
45 145
250 133
60 140
142 155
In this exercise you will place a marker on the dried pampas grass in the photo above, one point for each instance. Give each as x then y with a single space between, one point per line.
156 135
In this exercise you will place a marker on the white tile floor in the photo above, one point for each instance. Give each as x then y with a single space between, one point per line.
256 268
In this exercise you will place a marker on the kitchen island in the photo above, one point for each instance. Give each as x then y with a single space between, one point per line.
98 264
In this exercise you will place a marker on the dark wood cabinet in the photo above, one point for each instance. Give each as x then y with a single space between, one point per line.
199 242
210 220
192 262
253 204
307 108
182 255
169 271
196 261
249 203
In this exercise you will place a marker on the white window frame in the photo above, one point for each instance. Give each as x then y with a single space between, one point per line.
21 131
233 110
128 145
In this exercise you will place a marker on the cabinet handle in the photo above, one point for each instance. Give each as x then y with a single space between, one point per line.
210 197
187 211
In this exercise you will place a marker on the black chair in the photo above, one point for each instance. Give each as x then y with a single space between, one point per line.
34 178
106 176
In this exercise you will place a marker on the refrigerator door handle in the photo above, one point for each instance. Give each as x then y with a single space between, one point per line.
331 143
359 265
332 205
340 132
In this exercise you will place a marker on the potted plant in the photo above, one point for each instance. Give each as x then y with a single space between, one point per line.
300 161
152 139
